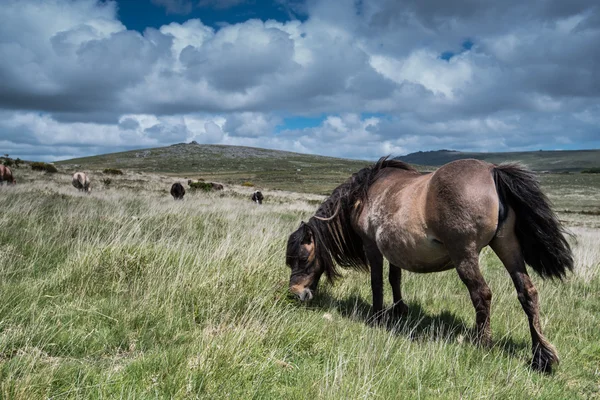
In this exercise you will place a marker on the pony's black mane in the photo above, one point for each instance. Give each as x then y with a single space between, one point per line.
335 239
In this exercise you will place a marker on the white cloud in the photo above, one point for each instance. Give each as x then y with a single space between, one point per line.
426 68
251 124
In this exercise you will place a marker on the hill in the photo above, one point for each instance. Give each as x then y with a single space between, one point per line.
553 161
231 164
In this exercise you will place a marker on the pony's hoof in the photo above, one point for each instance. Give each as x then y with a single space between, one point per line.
544 359
377 318
399 310
485 341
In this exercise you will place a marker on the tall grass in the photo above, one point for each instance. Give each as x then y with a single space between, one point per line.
125 293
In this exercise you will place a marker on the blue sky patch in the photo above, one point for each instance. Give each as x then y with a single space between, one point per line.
464 46
141 14
299 123
447 55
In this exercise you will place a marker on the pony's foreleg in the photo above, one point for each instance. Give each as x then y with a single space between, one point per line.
509 252
395 278
376 264
467 266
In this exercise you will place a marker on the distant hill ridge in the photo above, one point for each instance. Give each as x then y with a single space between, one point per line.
552 160
208 157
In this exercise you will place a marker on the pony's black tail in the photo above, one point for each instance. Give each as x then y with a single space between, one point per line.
540 234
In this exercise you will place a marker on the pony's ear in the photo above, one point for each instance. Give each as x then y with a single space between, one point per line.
307 235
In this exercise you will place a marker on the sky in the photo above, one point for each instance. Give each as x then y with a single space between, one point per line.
345 78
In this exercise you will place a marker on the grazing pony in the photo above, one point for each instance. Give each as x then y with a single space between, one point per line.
6 175
435 222
257 197
82 182
177 191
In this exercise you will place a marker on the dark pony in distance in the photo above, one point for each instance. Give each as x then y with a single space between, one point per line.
435 222
257 197
177 191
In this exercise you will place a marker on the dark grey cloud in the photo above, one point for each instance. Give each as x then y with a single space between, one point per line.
82 78
448 15
168 133
129 124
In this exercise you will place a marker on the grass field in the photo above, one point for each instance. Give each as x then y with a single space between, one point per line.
125 293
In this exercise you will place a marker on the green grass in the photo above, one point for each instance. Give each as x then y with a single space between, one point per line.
125 293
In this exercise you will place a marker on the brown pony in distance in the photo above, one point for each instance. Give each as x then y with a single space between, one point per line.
81 181
435 222
6 175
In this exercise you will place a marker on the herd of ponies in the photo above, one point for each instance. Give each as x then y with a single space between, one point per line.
81 182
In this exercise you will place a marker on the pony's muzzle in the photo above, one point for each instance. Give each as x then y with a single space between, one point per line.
303 293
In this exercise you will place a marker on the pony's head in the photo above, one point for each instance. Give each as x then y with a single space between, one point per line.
302 256
328 239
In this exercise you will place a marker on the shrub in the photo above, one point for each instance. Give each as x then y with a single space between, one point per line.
112 171
248 184
9 162
591 171
42 166
190 181
38 166
106 181
207 187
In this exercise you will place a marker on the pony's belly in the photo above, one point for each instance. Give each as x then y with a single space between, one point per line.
423 255
425 267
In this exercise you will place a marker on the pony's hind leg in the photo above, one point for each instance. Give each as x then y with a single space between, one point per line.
467 266
395 277
509 251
